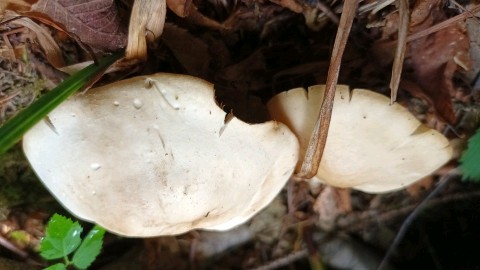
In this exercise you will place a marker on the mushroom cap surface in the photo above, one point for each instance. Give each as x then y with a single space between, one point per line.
155 155
371 146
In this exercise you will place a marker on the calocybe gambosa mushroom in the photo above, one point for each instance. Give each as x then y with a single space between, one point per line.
155 155
371 146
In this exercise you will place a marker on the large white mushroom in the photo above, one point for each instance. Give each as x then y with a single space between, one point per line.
371 146
155 155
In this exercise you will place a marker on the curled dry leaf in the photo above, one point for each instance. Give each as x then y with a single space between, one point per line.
371 146
43 36
155 155
148 20
146 23
96 23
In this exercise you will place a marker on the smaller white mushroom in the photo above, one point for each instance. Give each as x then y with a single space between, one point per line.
155 155
372 146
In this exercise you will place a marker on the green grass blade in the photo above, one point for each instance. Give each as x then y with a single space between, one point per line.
13 130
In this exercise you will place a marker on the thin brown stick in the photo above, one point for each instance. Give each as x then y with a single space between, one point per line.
444 24
463 9
314 152
355 222
284 261
401 48
9 97
8 245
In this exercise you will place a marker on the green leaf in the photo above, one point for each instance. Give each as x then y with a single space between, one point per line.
13 130
89 249
58 266
470 160
62 238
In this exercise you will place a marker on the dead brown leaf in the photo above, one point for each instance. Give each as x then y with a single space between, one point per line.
191 52
96 23
16 5
180 7
256 17
290 4
186 9
433 59
418 188
330 204
39 34
197 18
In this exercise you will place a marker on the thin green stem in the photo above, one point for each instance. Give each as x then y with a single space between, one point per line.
66 261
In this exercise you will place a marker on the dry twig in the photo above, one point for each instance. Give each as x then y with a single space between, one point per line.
314 152
284 261
401 48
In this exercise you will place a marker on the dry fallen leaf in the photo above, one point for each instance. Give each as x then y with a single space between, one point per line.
331 203
42 36
12 5
197 18
179 7
431 60
290 4
96 23
417 189
434 58
191 52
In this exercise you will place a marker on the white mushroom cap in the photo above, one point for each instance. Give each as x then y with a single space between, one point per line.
155 155
371 146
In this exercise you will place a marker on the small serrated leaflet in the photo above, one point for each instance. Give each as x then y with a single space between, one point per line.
62 238
89 249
